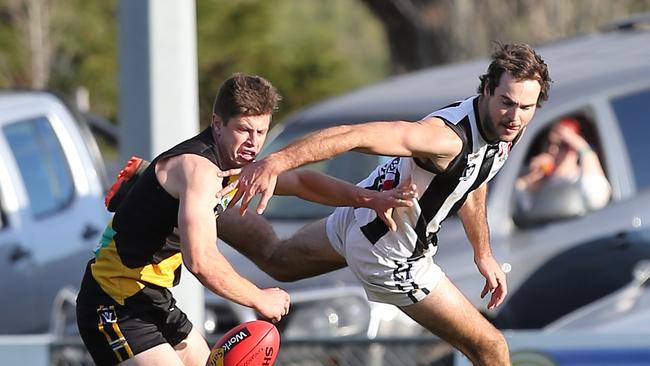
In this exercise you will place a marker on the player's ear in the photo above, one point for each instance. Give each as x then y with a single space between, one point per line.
217 122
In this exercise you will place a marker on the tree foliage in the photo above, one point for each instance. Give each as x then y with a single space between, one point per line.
60 45
429 32
308 49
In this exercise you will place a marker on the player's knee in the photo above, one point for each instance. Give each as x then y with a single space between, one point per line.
280 269
274 262
492 349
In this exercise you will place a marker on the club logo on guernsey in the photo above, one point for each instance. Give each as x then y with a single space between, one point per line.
390 175
107 314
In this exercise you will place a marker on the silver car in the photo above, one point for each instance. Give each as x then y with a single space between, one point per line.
51 209
626 310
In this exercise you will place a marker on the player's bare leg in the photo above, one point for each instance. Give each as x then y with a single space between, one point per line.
162 354
448 314
305 254
194 350
251 235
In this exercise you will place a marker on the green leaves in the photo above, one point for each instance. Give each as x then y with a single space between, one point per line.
308 49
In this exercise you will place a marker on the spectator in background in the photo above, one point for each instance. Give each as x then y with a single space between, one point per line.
566 160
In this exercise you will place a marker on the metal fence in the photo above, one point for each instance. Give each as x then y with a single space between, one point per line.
427 351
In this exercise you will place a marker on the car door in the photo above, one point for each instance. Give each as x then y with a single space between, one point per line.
16 269
60 229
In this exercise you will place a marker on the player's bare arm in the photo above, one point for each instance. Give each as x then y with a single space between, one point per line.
193 180
327 190
474 217
428 139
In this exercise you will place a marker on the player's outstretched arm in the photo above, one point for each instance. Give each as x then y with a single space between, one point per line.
327 190
474 217
398 138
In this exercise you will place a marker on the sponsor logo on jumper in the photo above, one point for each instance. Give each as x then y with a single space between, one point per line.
235 339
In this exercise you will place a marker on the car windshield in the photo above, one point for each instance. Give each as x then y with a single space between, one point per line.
351 167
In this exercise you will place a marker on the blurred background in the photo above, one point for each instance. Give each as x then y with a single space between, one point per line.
309 49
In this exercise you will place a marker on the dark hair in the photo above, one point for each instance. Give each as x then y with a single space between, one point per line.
245 95
522 62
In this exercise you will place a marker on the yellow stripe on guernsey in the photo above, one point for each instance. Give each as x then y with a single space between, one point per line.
121 282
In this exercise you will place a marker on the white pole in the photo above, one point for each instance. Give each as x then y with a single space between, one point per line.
159 95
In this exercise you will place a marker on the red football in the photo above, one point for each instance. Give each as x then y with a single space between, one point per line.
254 343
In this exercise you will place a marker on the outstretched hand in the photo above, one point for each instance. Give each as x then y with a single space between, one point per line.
495 280
386 201
254 178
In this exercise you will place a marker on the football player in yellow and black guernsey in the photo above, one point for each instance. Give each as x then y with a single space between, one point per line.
125 311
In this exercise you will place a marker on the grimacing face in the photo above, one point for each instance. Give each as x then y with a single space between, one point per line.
510 108
241 139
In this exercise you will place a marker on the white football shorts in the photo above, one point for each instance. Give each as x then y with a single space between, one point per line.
388 280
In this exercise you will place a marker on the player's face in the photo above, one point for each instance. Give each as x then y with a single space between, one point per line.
240 140
510 108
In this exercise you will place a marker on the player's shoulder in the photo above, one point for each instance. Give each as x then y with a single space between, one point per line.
443 127
190 163
188 170
455 112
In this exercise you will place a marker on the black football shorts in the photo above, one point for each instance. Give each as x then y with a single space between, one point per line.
113 333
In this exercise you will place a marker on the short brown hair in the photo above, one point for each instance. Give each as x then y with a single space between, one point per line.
522 62
245 95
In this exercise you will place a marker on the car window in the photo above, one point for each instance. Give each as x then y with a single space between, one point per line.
563 175
42 164
351 166
633 111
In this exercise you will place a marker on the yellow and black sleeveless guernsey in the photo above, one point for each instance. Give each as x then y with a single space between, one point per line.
139 255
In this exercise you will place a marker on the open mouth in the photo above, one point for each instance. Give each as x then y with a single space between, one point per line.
247 155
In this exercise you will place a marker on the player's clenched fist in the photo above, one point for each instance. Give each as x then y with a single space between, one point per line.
273 304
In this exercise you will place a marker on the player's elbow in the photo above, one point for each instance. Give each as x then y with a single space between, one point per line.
195 267
198 267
